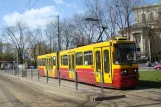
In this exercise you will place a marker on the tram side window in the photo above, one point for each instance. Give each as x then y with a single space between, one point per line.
79 58
65 60
73 62
98 61
46 62
50 63
106 61
88 58
40 62
54 60
69 62
61 60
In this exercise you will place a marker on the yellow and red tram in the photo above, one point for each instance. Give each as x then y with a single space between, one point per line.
112 62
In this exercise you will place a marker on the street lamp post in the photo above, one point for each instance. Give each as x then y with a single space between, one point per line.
58 47
58 68
58 35
17 64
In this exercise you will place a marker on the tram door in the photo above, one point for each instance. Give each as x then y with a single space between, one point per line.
71 65
49 66
102 65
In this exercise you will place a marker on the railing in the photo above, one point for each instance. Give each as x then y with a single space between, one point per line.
81 80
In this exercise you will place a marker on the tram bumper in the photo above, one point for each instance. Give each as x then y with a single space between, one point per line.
125 82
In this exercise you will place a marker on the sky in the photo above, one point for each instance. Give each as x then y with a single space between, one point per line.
38 12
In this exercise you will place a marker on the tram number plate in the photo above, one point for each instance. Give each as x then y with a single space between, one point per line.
132 76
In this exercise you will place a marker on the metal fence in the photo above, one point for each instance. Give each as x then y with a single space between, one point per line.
34 74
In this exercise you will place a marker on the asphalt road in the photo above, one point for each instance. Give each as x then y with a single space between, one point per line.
6 97
146 69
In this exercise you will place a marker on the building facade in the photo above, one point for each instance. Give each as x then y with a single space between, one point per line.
146 31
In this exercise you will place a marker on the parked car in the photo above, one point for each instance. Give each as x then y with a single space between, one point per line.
157 67
32 67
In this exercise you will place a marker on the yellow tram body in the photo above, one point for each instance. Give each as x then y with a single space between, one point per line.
112 63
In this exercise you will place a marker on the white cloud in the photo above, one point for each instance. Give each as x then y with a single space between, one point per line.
62 2
33 17
59 1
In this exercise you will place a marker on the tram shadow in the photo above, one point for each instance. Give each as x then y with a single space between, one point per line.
143 84
149 84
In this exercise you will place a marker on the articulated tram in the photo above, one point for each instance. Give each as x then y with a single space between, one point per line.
112 62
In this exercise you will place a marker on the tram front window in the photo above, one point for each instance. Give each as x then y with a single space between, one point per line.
125 53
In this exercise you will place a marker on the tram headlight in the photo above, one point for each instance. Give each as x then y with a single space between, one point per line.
136 71
125 72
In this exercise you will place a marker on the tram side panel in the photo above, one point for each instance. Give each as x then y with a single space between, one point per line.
42 71
63 64
86 75
41 66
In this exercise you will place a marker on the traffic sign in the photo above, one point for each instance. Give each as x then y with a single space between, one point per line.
25 55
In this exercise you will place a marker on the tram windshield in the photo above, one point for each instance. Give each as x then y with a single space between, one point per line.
125 53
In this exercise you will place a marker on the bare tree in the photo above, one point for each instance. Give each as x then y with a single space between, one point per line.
96 10
38 33
49 34
68 32
7 52
85 31
19 37
112 19
52 30
125 8
34 45
116 14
